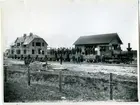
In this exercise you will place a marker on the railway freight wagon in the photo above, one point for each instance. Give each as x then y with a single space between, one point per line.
122 57
108 57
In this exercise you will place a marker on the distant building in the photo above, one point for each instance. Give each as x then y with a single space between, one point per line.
7 52
102 44
31 45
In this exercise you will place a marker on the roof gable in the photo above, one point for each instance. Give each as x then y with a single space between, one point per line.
19 39
40 39
97 39
27 39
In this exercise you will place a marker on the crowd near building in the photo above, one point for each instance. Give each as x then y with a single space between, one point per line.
91 48
102 44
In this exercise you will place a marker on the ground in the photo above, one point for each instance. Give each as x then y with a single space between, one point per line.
81 82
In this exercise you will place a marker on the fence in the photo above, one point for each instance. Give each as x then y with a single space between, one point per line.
61 74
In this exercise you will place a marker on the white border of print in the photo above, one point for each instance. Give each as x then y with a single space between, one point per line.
64 102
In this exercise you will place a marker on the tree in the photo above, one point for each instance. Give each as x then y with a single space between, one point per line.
85 51
73 50
93 50
80 50
88 51
55 55
61 58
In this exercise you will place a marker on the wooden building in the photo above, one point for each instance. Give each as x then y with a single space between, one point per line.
28 45
102 44
7 52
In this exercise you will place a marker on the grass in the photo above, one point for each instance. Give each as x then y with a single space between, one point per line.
45 87
76 86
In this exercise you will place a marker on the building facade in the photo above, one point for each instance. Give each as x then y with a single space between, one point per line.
103 44
29 45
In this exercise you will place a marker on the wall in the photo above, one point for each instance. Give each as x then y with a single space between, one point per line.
29 48
43 48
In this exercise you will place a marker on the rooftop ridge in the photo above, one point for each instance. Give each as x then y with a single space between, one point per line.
101 34
97 39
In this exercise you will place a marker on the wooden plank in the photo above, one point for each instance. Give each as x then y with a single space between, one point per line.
29 76
111 87
67 73
60 81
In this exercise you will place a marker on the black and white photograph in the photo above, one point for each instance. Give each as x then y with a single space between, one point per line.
70 50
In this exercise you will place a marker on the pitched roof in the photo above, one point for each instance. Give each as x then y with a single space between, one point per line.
97 39
27 39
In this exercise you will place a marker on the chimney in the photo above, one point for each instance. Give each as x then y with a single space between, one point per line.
128 45
129 48
24 35
31 34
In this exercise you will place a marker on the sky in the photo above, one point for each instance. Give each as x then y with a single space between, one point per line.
62 22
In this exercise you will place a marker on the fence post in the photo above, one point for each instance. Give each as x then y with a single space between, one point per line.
60 81
5 73
111 87
28 75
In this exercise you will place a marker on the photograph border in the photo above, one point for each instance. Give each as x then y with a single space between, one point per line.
65 102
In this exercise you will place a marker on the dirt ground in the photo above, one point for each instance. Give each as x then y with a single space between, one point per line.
76 86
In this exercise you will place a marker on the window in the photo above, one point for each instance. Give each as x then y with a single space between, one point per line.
18 51
33 44
115 47
39 51
33 51
21 43
110 47
24 51
12 51
107 48
42 44
18 44
103 48
12 46
38 44
42 52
